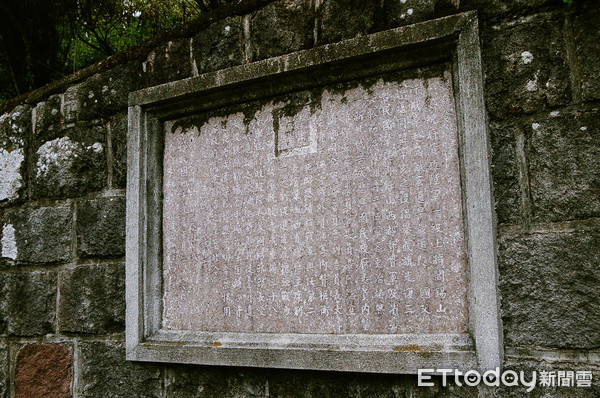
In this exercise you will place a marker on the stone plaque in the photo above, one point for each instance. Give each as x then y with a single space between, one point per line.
336 210
327 209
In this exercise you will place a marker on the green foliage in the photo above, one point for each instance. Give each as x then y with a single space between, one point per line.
42 40
102 28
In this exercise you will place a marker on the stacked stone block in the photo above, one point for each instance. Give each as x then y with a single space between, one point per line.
62 200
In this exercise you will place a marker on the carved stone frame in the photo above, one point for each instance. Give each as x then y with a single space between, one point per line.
452 39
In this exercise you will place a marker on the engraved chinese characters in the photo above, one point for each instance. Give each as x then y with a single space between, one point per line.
337 211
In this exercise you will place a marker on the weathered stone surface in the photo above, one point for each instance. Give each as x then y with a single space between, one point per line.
4 388
72 102
200 381
345 19
525 67
113 88
14 130
48 114
92 299
317 384
549 285
69 162
586 36
505 172
354 225
169 62
105 373
563 149
406 12
219 46
118 137
103 94
40 235
492 8
549 281
44 371
27 303
282 27
101 227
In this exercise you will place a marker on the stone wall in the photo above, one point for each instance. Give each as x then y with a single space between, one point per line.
62 199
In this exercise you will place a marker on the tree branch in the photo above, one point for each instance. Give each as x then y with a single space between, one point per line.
80 37
202 6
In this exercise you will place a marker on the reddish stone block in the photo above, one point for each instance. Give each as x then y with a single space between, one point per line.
43 370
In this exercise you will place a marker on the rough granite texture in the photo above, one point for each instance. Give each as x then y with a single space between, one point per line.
102 94
335 15
505 171
524 75
15 130
219 46
563 151
506 8
63 158
101 227
105 373
281 27
47 114
27 303
4 387
406 12
201 381
40 235
585 39
92 299
170 61
69 162
548 284
118 137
